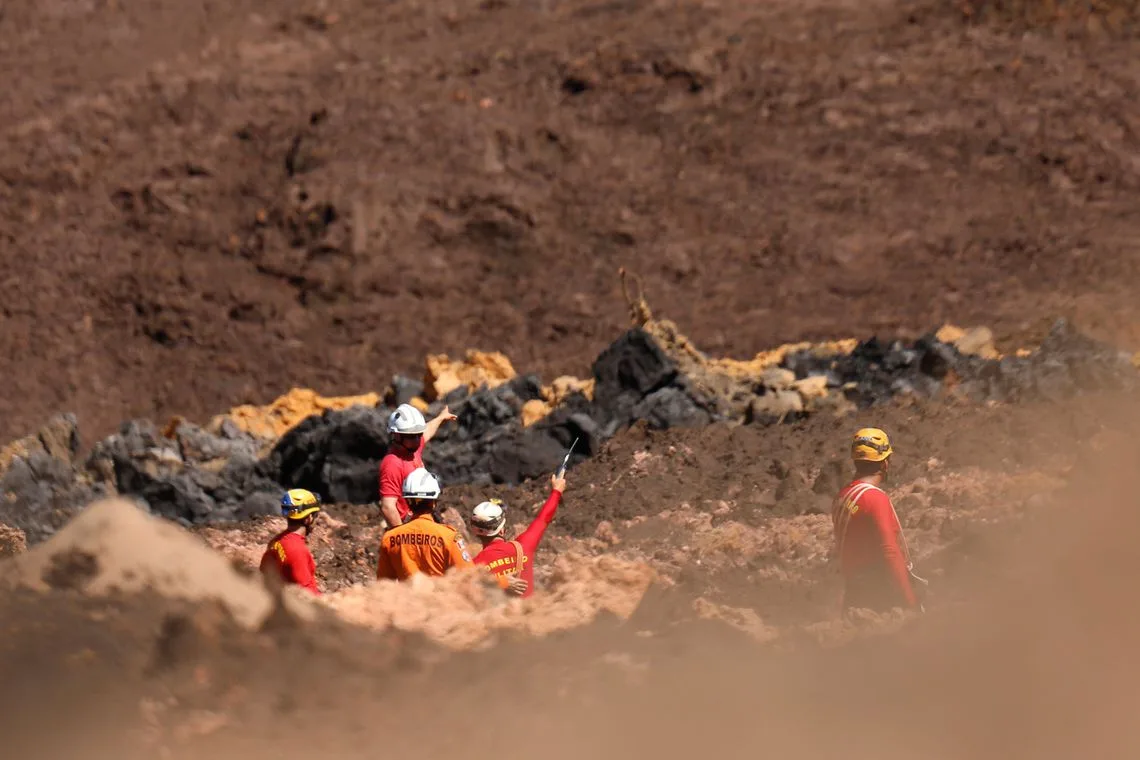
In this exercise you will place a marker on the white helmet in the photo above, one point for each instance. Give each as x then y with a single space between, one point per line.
421 484
488 518
406 420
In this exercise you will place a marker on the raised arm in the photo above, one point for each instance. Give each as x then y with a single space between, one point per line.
531 537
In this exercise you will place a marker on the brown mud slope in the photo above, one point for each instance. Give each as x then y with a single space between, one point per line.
1029 657
208 203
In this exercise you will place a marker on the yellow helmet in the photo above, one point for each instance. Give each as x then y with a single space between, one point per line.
297 504
870 445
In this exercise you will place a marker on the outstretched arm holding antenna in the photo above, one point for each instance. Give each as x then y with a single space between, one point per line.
522 583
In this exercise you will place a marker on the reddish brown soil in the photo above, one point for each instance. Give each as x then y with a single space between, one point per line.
1036 663
206 203
785 470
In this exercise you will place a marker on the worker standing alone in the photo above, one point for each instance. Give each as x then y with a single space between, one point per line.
409 432
512 562
287 556
421 545
869 543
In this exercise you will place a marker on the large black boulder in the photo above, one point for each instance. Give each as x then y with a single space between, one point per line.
672 406
335 454
525 455
145 464
636 380
574 420
488 425
487 410
631 368
39 487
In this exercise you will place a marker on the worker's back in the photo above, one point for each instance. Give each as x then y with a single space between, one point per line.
870 548
288 557
421 546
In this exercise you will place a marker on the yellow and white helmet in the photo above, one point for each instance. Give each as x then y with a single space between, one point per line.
488 518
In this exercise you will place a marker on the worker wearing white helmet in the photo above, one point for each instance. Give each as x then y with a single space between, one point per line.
408 433
512 562
421 545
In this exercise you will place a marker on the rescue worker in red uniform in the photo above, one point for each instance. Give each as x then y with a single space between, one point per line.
869 543
512 562
288 559
409 432
421 545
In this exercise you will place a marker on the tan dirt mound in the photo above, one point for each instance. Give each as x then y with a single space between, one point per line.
463 610
114 545
741 618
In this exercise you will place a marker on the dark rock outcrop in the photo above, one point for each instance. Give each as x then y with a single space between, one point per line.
192 475
487 435
40 487
635 379
1066 364
335 454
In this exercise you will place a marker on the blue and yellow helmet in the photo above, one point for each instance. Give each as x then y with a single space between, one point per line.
297 504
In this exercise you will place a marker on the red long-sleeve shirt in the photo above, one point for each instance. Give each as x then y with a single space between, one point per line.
872 551
499 556
288 555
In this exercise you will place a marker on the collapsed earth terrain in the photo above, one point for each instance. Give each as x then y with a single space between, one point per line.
204 205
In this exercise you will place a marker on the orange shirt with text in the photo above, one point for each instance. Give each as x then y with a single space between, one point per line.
421 546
